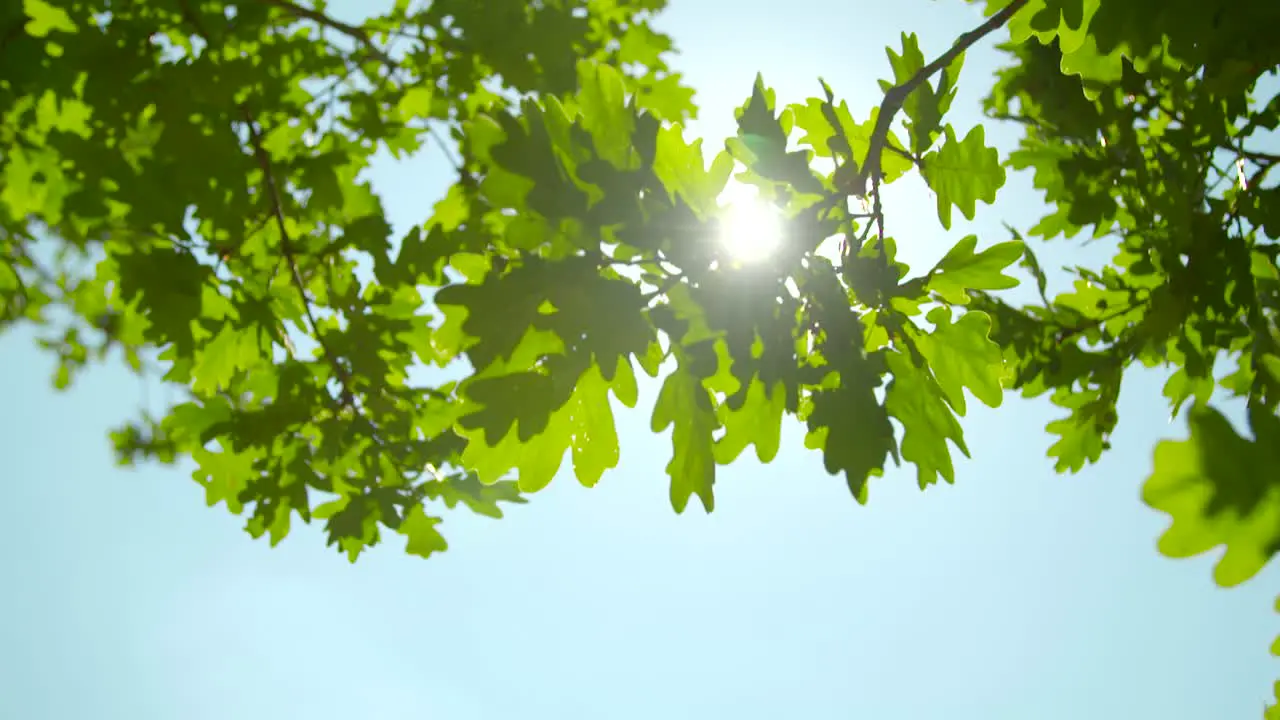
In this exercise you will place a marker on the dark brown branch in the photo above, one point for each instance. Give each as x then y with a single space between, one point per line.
274 200
897 95
1073 332
1258 157
355 33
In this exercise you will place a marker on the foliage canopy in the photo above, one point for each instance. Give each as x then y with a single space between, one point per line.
183 181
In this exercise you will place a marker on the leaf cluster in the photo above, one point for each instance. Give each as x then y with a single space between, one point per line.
1150 127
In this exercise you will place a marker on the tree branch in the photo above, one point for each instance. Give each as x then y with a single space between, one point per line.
897 95
286 250
355 33
361 36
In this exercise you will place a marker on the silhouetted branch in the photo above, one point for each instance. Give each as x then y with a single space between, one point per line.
355 33
897 95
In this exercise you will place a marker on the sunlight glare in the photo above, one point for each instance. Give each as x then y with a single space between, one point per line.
751 228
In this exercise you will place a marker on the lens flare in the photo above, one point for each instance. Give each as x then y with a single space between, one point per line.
750 227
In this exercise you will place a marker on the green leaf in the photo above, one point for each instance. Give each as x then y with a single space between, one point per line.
962 172
624 383
831 130
224 475
757 422
45 19
416 102
552 413
685 404
668 98
466 489
851 427
915 400
962 270
962 355
595 438
761 144
229 352
604 111
419 528
926 105
1181 387
167 284
520 401
680 168
1220 489
1082 434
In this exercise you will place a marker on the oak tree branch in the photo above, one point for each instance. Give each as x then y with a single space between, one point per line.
897 95
355 33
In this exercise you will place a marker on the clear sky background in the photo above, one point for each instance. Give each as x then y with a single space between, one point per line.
1015 594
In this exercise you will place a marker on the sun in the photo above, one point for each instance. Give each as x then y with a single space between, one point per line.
750 228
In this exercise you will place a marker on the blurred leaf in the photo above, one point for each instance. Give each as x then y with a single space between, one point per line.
1220 489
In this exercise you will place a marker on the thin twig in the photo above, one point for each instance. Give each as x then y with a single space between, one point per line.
449 157
1073 332
355 33
286 251
1258 157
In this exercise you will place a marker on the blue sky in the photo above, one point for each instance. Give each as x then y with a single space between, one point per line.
1015 594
